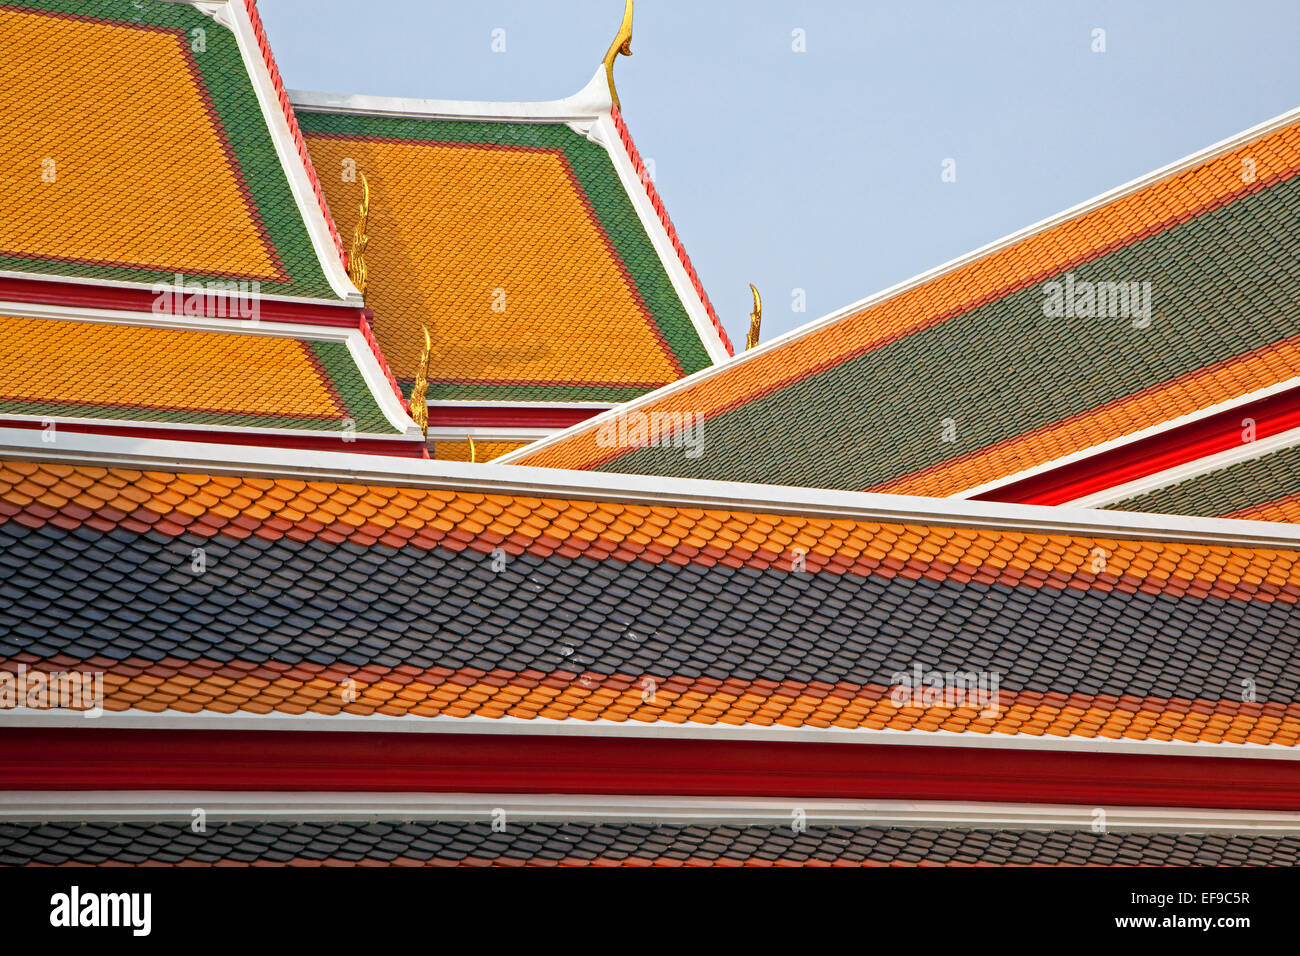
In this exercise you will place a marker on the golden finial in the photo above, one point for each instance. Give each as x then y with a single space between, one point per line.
755 319
622 44
473 452
357 255
420 388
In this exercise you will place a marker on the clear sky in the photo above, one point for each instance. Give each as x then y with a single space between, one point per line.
821 170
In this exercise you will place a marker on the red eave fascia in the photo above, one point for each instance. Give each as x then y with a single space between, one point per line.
367 332
1169 449
117 759
80 295
653 194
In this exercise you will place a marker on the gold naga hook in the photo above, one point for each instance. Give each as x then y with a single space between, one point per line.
360 239
419 401
755 319
473 452
622 44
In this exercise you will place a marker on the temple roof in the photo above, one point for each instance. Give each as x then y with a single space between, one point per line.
152 141
527 237
978 372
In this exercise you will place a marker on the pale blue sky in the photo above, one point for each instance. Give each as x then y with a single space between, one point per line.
821 170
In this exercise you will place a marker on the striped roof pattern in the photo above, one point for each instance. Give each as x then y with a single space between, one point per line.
141 152
69 368
517 244
1266 488
421 843
1026 353
323 598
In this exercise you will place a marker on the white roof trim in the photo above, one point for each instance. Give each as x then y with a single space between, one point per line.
1129 439
495 478
1187 162
358 348
1247 451
172 320
588 111
128 806
659 730
286 148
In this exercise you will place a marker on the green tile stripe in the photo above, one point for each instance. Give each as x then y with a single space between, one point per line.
1246 484
1223 284
334 358
232 94
595 172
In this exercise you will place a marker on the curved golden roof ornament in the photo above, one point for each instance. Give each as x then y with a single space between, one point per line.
473 452
419 401
360 238
755 319
622 44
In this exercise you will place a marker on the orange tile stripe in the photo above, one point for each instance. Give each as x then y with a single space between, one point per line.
502 207
1118 223
93 363
1217 383
106 499
199 686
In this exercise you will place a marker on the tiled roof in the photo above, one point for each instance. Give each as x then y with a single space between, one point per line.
617 844
483 450
518 245
962 377
438 603
140 151
1266 488
70 368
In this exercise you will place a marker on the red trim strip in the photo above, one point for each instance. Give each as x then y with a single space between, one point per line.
489 416
365 446
96 758
1207 436
283 97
